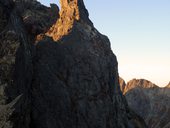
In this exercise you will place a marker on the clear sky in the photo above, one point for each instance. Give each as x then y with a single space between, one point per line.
139 31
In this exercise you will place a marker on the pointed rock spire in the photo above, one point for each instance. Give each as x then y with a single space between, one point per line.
74 9
71 11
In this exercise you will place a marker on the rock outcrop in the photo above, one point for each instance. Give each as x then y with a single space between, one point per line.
57 70
122 84
168 86
140 83
149 101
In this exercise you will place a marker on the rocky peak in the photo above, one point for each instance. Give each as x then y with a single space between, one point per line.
72 11
142 83
150 102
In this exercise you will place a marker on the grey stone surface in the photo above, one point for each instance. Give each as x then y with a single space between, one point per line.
149 101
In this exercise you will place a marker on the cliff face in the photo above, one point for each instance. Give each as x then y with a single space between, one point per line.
57 70
149 101
20 23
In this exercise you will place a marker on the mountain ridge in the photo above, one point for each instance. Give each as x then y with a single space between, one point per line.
149 101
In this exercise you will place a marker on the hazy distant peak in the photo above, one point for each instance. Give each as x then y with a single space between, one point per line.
142 83
150 102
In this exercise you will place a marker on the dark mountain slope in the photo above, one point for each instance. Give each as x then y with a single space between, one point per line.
58 74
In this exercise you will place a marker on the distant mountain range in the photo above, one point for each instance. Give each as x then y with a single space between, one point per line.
149 101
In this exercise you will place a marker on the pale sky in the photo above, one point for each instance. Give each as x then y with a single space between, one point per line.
139 32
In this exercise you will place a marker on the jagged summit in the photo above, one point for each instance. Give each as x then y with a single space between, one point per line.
142 83
74 9
149 101
72 12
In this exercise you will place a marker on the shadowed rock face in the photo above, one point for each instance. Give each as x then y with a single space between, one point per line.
68 79
149 101
17 36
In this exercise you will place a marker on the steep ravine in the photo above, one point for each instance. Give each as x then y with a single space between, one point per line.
57 70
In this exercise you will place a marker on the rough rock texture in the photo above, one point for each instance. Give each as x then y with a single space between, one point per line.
62 77
150 102
16 52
